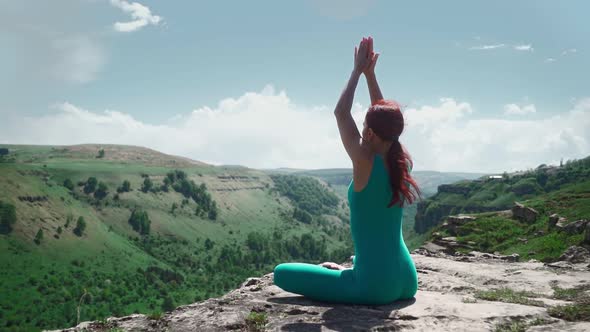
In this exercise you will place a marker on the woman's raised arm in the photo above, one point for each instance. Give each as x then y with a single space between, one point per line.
348 131
369 72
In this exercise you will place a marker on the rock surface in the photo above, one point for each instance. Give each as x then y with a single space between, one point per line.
445 302
524 213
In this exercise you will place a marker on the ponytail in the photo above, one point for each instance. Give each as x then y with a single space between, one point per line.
400 164
384 117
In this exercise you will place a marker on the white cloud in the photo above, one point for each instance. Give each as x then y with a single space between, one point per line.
266 129
549 60
487 47
569 51
513 109
140 14
524 47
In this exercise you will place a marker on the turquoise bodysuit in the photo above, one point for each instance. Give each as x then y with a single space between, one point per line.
383 269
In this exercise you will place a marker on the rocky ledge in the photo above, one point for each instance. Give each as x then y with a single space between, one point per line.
461 292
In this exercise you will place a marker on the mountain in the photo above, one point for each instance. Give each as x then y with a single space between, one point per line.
126 229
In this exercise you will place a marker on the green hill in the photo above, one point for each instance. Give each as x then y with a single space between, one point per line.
496 231
494 194
183 232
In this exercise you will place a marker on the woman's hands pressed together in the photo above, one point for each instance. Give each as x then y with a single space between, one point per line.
364 57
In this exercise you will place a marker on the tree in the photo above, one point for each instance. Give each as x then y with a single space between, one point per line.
80 226
209 244
90 186
39 236
140 221
168 304
102 191
147 185
7 217
69 184
213 211
100 153
125 187
174 207
4 152
59 230
69 219
302 215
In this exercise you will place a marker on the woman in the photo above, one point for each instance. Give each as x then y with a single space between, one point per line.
383 269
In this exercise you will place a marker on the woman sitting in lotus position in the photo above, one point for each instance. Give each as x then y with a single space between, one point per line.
383 269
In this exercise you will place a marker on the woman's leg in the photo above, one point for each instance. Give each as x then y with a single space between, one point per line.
317 282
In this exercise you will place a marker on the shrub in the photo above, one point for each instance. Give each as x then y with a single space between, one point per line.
125 187
69 184
39 236
4 152
140 221
209 244
302 215
147 185
90 185
102 191
100 153
7 217
69 219
80 226
168 304
213 211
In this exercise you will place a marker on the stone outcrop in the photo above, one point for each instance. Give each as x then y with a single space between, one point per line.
524 213
555 221
575 254
446 301
453 222
561 224
576 227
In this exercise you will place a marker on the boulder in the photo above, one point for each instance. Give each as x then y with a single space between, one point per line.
575 254
524 213
553 220
576 227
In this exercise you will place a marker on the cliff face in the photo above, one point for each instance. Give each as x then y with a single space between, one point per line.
463 292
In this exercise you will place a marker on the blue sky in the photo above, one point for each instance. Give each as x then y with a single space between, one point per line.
160 64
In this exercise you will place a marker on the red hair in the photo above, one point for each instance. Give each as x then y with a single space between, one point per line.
386 120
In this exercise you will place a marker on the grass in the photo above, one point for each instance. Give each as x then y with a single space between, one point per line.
571 312
579 310
156 315
519 325
509 295
256 321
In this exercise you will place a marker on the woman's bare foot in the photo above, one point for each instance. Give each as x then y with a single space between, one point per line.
332 266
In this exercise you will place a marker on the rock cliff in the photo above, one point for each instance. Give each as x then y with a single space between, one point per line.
460 292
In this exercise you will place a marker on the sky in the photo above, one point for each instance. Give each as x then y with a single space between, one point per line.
486 87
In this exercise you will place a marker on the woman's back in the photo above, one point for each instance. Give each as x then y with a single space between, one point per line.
381 256
383 269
